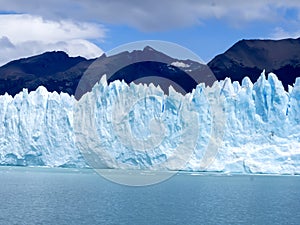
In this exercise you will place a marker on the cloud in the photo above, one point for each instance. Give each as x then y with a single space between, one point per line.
27 27
280 33
76 47
25 35
156 15
38 26
5 43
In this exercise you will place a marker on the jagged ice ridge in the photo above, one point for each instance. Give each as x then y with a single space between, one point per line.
260 133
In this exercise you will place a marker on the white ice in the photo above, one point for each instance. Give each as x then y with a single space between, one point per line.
248 128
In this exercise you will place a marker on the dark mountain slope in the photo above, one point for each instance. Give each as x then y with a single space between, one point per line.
250 57
59 72
46 69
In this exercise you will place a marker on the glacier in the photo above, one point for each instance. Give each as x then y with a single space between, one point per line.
229 127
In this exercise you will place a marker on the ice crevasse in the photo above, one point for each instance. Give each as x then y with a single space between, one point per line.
229 127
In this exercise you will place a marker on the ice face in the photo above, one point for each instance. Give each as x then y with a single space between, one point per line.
36 129
247 128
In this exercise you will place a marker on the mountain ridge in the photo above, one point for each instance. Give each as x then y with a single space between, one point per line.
58 72
251 57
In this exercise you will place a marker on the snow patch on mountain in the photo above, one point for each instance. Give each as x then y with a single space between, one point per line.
180 64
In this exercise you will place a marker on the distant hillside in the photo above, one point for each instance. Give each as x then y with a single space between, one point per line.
59 72
54 70
250 57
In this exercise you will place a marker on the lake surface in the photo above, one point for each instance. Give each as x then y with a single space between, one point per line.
69 196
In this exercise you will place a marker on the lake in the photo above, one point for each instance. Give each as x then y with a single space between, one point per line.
71 196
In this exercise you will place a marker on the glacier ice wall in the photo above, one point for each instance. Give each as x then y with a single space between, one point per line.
260 134
262 128
36 129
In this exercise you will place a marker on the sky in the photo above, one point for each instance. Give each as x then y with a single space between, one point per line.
91 27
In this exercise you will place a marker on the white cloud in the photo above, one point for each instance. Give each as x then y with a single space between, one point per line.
280 33
76 47
27 27
152 15
51 25
25 35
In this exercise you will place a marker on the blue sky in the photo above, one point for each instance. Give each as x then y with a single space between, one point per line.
91 27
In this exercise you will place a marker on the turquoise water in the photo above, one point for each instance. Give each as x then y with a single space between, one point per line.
68 196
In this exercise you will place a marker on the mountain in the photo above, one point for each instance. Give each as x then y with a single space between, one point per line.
54 70
58 72
250 57
146 66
